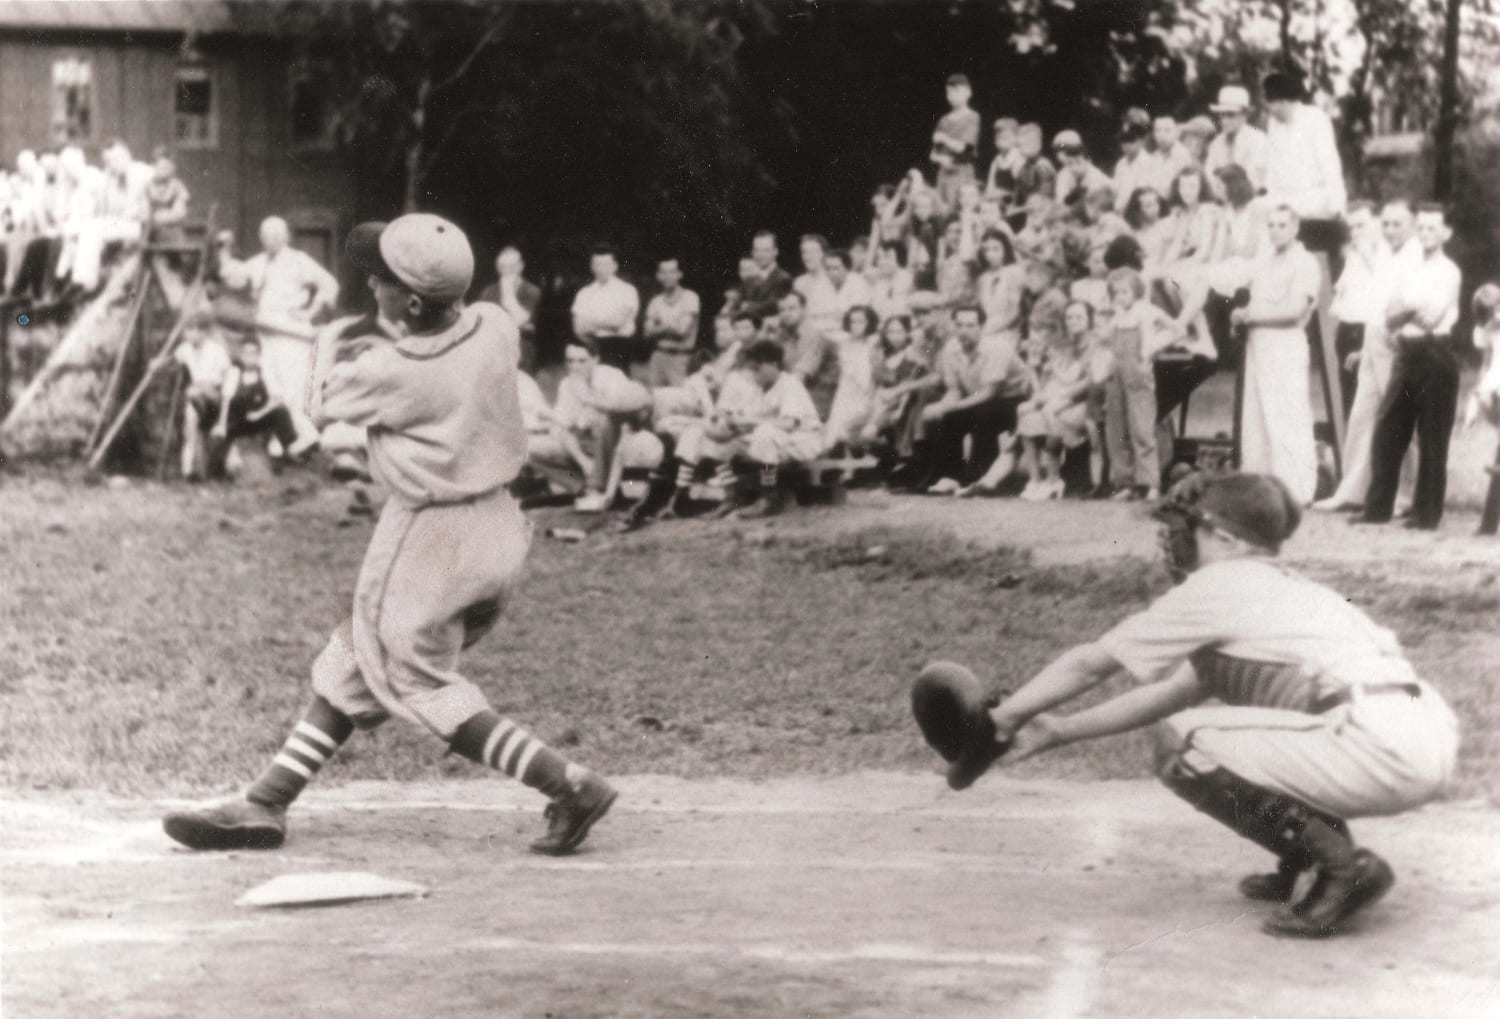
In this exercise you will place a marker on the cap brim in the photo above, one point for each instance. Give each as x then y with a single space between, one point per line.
362 249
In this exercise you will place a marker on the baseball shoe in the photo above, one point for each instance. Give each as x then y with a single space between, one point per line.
234 824
1277 887
1335 897
570 817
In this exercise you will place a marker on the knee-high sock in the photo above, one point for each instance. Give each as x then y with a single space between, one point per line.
499 743
312 742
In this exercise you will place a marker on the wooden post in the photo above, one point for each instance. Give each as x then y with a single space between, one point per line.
6 309
143 281
174 406
1489 523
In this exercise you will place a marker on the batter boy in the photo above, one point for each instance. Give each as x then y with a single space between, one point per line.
446 436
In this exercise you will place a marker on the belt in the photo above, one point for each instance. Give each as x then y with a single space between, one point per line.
1359 691
1422 341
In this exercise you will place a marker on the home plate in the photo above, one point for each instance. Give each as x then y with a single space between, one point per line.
291 891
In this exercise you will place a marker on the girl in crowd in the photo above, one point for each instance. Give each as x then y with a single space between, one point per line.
892 283
1147 215
1055 418
1001 283
902 377
955 271
852 401
1137 331
1080 322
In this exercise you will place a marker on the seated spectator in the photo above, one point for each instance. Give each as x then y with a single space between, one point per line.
1000 182
1055 417
766 282
166 199
1093 289
677 408
808 355
983 383
1076 175
893 282
249 409
205 357
1197 135
1036 175
860 259
604 313
1000 285
1170 157
955 272
929 217
593 402
1137 331
1134 169
768 419
519 297
818 293
904 379
850 289
670 326
1146 214
850 409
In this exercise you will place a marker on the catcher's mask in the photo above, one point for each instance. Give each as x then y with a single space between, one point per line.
1257 509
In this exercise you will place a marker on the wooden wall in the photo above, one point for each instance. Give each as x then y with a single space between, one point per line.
253 172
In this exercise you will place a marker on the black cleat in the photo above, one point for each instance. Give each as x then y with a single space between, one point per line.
570 817
236 824
1334 899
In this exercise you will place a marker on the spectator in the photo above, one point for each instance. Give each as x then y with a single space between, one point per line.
203 356
1485 402
850 289
735 302
982 387
166 200
1097 217
818 293
852 400
771 422
1137 331
1197 134
924 232
671 326
1093 289
604 313
1036 175
1055 417
1303 167
1423 391
1170 158
249 407
768 282
1076 175
1146 214
955 142
893 282
291 291
955 271
1276 432
123 209
1244 238
904 379
594 400
1399 256
1135 167
1239 143
1001 284
519 297
1000 182
1354 296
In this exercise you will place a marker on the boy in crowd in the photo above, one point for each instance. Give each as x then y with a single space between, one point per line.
208 366
955 142
1036 175
248 408
1000 183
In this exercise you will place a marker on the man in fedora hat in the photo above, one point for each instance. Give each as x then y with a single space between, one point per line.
1239 142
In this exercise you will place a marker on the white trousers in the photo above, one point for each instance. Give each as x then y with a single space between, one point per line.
1276 435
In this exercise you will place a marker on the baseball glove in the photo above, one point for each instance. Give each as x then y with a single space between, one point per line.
951 709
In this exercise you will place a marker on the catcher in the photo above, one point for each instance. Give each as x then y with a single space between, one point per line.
1285 710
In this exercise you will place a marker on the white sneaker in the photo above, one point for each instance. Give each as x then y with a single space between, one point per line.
944 486
589 502
1057 489
1035 491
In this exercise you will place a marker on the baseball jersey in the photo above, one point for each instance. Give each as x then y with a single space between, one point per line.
787 398
1258 634
443 409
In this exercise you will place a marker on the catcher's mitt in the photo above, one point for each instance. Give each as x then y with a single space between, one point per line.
1179 511
952 711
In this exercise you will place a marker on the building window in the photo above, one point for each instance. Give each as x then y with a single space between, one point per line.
72 100
314 116
195 108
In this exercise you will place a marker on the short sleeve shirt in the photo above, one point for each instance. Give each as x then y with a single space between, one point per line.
989 365
677 316
207 363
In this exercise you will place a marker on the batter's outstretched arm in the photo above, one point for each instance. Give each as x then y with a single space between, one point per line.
1130 710
1075 671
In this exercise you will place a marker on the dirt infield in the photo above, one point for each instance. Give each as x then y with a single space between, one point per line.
868 895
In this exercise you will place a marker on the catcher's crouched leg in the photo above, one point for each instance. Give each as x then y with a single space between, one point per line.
952 710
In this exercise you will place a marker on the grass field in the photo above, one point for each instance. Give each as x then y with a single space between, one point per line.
156 640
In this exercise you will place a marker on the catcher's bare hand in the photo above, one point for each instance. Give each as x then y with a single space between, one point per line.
1043 732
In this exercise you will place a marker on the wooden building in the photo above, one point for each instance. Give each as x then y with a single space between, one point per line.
215 81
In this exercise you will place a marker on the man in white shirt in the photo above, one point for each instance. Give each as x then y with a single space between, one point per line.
671 326
1423 392
202 353
605 311
1303 167
1276 433
1398 254
1135 167
1239 143
1170 158
850 289
291 290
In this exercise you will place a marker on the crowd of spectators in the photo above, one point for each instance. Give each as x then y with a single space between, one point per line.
996 322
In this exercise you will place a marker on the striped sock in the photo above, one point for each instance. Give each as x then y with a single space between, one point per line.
313 741
684 474
724 476
767 477
499 743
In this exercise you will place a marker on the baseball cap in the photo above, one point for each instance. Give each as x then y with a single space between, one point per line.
425 253
1068 141
1232 99
1257 508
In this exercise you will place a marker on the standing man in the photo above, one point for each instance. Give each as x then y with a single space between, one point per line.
955 141
446 437
519 297
604 312
1398 255
763 283
1276 433
291 291
1423 392
1238 143
671 327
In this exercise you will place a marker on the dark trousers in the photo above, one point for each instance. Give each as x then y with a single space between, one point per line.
1349 339
982 426
1422 397
627 353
